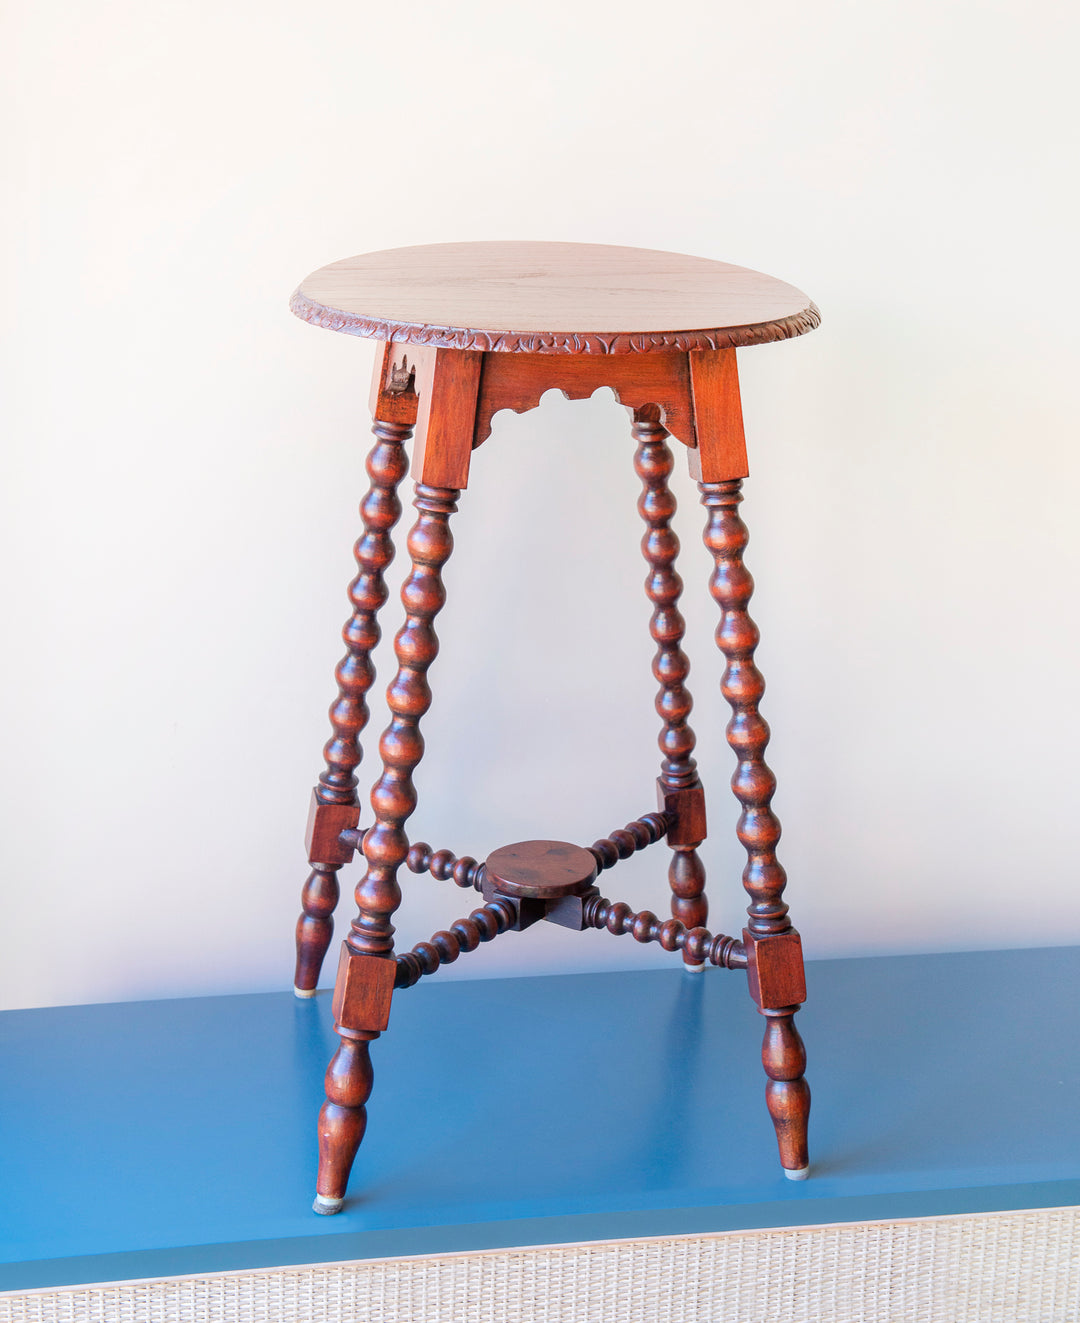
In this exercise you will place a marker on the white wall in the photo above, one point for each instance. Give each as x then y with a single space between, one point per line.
186 460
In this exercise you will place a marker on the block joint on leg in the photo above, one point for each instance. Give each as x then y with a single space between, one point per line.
323 838
363 991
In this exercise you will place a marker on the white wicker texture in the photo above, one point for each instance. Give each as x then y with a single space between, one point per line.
985 1268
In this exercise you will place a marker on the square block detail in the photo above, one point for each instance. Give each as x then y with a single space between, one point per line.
687 807
447 382
325 824
363 991
718 420
529 911
394 365
775 969
569 911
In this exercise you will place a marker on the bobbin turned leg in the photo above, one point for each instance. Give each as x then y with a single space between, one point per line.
680 792
773 948
446 382
366 974
335 805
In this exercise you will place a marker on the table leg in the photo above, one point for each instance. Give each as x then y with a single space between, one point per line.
680 787
380 510
365 977
773 948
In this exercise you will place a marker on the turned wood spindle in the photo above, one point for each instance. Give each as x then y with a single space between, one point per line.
343 1116
497 916
678 771
380 510
445 865
731 586
768 928
393 797
787 1093
624 842
385 845
696 944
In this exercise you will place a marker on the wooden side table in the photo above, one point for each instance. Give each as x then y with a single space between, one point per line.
467 330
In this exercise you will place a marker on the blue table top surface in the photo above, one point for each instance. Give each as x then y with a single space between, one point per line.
145 1139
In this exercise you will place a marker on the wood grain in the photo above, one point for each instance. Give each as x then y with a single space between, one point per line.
447 384
518 382
469 330
540 870
552 298
362 991
718 420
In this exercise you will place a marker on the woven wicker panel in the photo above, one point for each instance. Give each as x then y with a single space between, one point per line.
992 1268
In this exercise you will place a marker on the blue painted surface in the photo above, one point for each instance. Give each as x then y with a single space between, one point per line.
150 1138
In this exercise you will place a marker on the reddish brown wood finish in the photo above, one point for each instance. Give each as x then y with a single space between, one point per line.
315 927
634 836
492 350
552 298
682 797
775 968
518 381
336 804
393 799
342 1117
698 945
497 916
718 420
362 991
445 865
540 870
330 831
684 811
742 684
527 910
777 958
447 383
787 1093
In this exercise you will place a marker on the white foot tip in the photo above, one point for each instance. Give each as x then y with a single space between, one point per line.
796 1173
327 1206
303 993
694 969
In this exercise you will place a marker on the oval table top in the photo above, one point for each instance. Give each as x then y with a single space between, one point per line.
552 298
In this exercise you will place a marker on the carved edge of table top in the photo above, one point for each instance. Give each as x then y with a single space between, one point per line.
555 342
